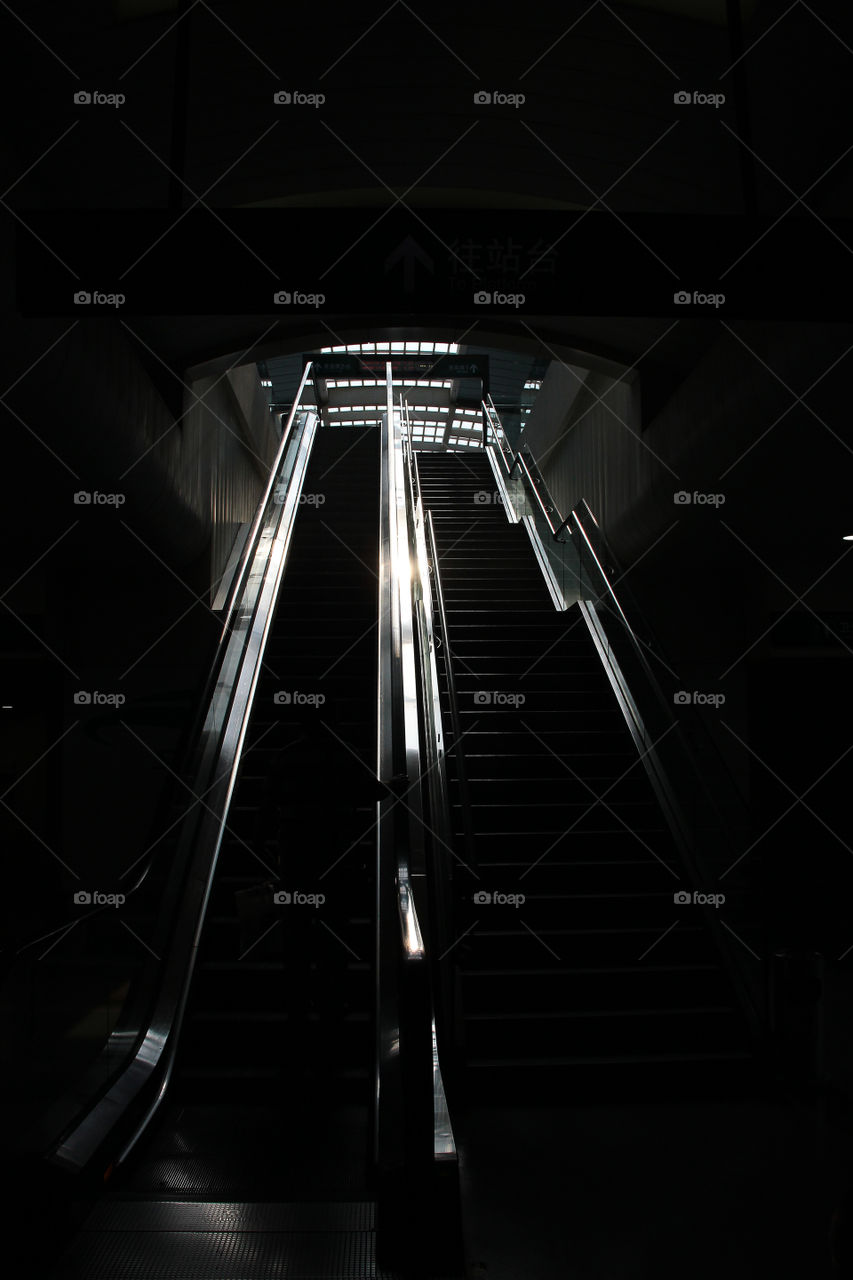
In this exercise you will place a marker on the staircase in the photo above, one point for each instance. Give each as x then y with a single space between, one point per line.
586 983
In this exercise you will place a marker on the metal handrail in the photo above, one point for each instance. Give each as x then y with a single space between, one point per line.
456 723
438 865
402 1095
191 760
590 540
255 531
219 756
750 992
608 566
519 461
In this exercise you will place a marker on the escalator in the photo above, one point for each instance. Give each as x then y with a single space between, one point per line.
593 980
258 1163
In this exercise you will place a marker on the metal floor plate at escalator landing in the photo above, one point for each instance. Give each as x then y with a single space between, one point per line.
174 1240
148 1238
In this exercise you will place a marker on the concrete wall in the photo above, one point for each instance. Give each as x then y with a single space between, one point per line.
228 424
710 580
576 429
617 131
113 598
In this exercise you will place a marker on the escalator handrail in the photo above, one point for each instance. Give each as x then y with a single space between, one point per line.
436 872
255 532
402 1117
190 763
154 1048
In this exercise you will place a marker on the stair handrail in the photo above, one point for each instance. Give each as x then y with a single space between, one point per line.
517 460
453 695
584 531
581 518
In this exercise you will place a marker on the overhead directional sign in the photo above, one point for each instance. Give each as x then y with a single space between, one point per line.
423 365
458 366
334 366
409 252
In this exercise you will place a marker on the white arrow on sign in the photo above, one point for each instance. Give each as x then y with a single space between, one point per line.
409 252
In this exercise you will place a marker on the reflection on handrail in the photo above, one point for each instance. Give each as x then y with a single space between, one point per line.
407 1129
515 460
439 868
255 531
587 578
222 738
413 943
143 870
